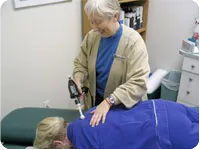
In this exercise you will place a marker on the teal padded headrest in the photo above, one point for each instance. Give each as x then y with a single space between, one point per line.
19 126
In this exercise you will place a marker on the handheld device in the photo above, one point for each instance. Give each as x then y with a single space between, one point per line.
74 93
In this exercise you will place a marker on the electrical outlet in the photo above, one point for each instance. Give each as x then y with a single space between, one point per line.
46 104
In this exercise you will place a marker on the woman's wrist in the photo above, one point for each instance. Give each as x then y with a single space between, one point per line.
78 76
108 102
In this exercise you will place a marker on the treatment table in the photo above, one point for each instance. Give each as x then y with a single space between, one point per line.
18 128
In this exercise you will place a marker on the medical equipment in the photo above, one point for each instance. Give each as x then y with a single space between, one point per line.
74 93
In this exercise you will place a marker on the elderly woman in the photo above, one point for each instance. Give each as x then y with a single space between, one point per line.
150 124
113 59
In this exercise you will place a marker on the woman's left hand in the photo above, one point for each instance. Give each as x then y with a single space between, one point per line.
99 113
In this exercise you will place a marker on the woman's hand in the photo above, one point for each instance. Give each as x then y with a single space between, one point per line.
99 113
78 83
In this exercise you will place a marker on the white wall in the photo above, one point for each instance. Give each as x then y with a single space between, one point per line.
169 22
38 46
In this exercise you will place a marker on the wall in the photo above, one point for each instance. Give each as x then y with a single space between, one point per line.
38 45
169 22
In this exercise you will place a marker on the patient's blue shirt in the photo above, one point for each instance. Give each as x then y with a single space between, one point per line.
150 124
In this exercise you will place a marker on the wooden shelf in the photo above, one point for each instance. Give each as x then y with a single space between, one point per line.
141 30
127 1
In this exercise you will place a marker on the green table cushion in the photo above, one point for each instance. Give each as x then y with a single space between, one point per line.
19 126
13 146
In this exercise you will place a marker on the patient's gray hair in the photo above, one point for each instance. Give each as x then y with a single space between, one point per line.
102 8
48 130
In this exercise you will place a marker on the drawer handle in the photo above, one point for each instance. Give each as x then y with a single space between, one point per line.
188 92
192 66
190 79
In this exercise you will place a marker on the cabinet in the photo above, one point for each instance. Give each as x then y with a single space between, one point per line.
86 25
189 84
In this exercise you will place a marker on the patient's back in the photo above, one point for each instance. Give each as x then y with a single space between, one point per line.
143 126
183 126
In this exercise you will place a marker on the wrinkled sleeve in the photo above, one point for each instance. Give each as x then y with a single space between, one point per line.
81 61
138 70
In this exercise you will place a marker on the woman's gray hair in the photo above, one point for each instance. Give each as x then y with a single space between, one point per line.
102 8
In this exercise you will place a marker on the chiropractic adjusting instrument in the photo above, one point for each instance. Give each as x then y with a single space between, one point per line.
74 93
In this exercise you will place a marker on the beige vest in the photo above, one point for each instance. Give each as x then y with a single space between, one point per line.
129 71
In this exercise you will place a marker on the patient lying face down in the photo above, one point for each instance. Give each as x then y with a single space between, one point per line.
51 133
138 127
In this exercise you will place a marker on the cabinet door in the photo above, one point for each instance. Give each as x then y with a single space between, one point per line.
189 88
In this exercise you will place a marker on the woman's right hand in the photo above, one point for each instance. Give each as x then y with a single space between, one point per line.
79 84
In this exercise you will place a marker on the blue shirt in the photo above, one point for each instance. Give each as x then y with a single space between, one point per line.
106 51
150 124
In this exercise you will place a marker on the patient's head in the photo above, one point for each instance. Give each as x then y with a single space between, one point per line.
51 134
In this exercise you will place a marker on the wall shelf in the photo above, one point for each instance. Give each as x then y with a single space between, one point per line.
127 1
141 30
